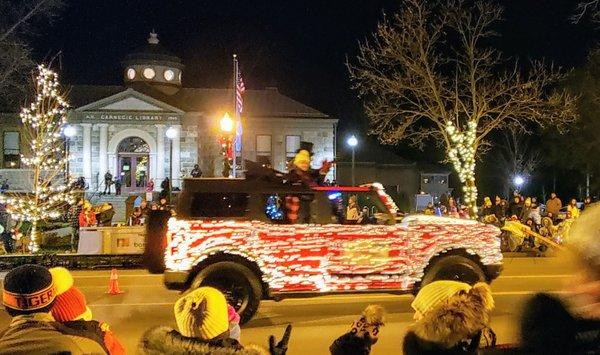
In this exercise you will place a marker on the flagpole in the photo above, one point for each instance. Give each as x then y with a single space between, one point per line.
236 116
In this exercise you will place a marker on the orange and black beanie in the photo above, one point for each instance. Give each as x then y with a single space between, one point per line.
28 289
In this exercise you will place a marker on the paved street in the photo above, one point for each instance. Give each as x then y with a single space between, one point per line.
317 321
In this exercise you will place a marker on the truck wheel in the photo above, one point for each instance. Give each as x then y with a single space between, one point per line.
239 284
453 267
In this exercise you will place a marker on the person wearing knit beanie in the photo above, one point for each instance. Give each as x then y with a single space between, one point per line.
28 296
70 306
28 289
202 314
70 302
453 318
434 293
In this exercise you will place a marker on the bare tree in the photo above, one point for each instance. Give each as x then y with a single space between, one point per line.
590 8
17 25
428 73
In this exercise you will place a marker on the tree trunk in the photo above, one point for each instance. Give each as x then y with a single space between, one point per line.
470 189
34 243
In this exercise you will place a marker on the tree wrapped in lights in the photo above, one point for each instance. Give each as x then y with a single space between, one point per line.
429 75
43 121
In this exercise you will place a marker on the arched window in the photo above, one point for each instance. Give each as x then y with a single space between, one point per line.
133 145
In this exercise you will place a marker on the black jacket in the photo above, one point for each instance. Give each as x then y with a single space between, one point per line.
350 344
547 327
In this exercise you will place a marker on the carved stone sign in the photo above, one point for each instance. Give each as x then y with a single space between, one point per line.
128 117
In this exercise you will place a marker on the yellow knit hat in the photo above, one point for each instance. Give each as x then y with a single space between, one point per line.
437 292
202 313
302 157
62 278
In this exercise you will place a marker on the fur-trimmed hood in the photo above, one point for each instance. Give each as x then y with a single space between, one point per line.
165 340
453 323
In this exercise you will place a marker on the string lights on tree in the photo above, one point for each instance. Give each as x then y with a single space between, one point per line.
43 120
461 153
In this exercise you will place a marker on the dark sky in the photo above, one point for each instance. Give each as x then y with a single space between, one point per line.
298 46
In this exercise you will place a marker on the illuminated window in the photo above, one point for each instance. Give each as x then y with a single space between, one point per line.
12 158
264 149
292 144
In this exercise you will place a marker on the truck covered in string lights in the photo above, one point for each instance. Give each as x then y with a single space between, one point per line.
237 235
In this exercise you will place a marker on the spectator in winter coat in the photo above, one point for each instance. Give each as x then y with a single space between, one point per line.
487 208
70 308
553 205
165 186
352 214
87 217
28 296
526 210
150 190
569 324
451 318
499 208
535 214
203 328
196 172
516 207
136 217
452 208
572 209
586 203
363 333
429 210
105 214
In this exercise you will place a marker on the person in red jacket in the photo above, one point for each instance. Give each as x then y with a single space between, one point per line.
70 308
87 217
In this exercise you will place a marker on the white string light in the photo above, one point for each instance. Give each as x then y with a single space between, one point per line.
44 119
461 153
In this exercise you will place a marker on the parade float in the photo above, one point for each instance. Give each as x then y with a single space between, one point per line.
261 238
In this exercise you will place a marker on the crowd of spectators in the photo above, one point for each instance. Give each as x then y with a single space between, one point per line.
50 315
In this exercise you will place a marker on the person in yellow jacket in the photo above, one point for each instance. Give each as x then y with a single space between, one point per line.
572 209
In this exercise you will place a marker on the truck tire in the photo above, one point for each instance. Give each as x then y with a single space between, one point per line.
240 285
452 267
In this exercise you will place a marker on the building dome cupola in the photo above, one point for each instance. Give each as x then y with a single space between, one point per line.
153 64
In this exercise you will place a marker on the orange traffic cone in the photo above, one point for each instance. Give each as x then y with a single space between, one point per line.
113 284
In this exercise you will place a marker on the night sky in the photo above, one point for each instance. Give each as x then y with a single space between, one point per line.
298 46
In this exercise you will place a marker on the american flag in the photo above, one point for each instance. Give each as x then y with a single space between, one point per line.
239 90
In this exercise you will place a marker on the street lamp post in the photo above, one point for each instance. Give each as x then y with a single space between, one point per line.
227 126
69 132
171 133
353 142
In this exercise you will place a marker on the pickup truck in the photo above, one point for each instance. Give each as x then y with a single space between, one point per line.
258 239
